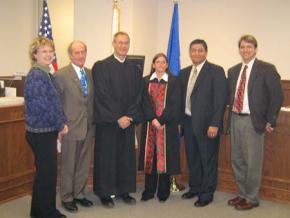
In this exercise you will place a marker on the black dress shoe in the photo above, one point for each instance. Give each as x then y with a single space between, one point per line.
200 203
33 215
188 195
107 202
128 199
70 206
60 215
162 199
146 196
83 202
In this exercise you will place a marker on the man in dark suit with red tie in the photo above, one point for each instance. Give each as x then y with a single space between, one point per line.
255 101
204 94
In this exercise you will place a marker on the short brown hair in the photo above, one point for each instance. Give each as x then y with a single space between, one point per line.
120 33
250 39
36 43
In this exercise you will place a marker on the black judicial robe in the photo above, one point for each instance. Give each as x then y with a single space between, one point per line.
169 117
117 93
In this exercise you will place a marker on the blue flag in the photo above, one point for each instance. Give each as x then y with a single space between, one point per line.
173 52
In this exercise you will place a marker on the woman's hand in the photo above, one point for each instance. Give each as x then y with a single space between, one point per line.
156 124
62 132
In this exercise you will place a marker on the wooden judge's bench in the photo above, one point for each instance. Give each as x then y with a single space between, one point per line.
17 162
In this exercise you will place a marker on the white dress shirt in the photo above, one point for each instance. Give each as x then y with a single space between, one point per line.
190 86
78 70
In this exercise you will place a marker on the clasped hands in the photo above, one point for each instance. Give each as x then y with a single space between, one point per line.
124 122
156 124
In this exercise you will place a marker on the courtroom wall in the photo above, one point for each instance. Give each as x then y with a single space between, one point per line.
18 26
219 22
222 22
92 23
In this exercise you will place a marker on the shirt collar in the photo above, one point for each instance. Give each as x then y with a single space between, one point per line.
198 67
76 68
118 59
250 64
164 77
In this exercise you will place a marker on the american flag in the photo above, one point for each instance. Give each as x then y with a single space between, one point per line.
45 30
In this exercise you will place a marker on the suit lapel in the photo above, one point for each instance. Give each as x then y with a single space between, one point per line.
186 78
236 74
253 76
201 75
73 75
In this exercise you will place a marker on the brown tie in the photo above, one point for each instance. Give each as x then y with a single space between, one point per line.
239 98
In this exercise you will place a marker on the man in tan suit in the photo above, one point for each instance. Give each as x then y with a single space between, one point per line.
76 87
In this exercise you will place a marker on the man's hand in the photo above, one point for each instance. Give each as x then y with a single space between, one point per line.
212 131
124 122
269 128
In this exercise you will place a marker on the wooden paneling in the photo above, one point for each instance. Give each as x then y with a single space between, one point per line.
16 162
276 169
286 91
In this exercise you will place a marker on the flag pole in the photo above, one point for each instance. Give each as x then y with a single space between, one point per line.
173 55
116 18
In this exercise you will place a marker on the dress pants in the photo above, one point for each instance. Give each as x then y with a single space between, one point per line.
202 158
75 163
152 179
247 152
44 188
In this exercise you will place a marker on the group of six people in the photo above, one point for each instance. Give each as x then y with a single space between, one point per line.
78 107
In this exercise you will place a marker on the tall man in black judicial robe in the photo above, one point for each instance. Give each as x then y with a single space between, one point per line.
118 89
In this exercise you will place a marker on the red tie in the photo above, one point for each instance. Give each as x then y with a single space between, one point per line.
239 98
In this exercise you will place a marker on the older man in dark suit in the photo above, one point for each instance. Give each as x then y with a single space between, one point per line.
255 101
204 94
76 85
